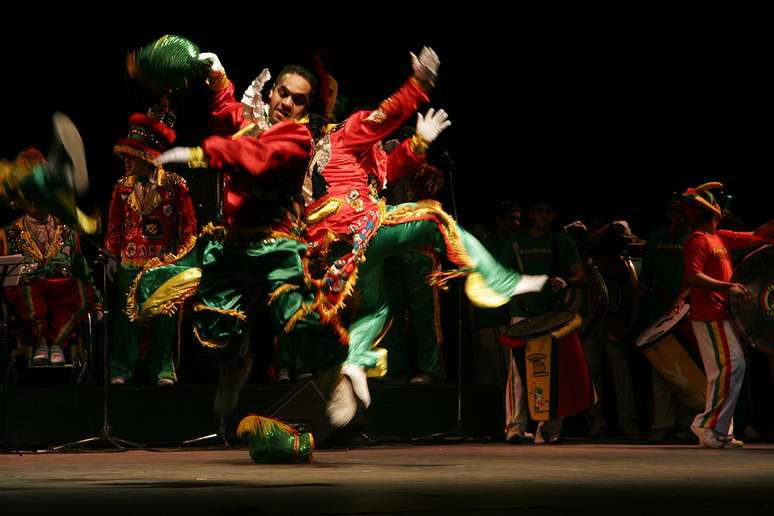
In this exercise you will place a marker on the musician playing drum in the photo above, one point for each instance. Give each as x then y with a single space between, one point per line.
708 270
538 250
660 283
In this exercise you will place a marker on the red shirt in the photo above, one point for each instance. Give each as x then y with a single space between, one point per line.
710 254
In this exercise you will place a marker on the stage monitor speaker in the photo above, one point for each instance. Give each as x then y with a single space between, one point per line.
304 408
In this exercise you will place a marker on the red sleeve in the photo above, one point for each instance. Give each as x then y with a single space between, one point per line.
187 215
740 240
225 112
403 161
115 224
695 252
286 144
365 128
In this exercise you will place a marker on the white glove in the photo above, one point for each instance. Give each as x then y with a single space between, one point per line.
175 155
426 65
432 124
216 68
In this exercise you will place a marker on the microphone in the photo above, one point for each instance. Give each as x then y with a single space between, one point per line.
447 157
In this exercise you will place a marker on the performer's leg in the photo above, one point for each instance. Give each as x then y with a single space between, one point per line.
425 313
624 390
665 407
72 299
515 403
30 305
592 347
426 225
162 339
724 366
398 363
124 349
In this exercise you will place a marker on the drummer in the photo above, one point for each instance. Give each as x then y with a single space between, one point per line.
708 271
538 250
660 283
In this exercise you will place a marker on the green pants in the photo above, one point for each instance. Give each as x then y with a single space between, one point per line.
125 350
396 237
236 276
415 334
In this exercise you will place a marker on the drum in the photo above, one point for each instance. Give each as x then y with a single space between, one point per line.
558 383
620 275
753 315
589 300
669 344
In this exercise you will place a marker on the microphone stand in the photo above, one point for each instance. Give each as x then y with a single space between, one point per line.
105 435
457 433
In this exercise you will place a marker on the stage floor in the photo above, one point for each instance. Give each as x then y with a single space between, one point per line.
450 479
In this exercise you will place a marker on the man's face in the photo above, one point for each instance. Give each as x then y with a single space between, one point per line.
509 222
289 98
136 167
542 216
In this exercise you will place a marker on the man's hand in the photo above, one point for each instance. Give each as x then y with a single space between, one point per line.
216 68
432 124
737 289
426 65
557 284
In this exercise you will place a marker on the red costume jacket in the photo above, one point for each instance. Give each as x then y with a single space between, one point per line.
163 222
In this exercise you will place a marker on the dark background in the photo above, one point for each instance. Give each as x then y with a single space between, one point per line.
608 111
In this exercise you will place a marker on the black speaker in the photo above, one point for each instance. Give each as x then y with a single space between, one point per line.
304 408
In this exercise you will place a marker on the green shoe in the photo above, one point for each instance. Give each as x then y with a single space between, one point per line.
272 441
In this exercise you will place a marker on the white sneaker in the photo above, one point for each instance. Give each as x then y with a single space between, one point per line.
707 437
359 383
342 404
41 356
57 355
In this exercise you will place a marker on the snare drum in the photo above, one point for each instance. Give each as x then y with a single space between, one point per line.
621 277
670 345
558 381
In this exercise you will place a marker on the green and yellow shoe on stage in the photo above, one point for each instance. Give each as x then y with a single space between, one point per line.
272 441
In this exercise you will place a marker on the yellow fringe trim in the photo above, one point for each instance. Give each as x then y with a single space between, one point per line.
208 343
431 210
199 307
254 424
285 287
